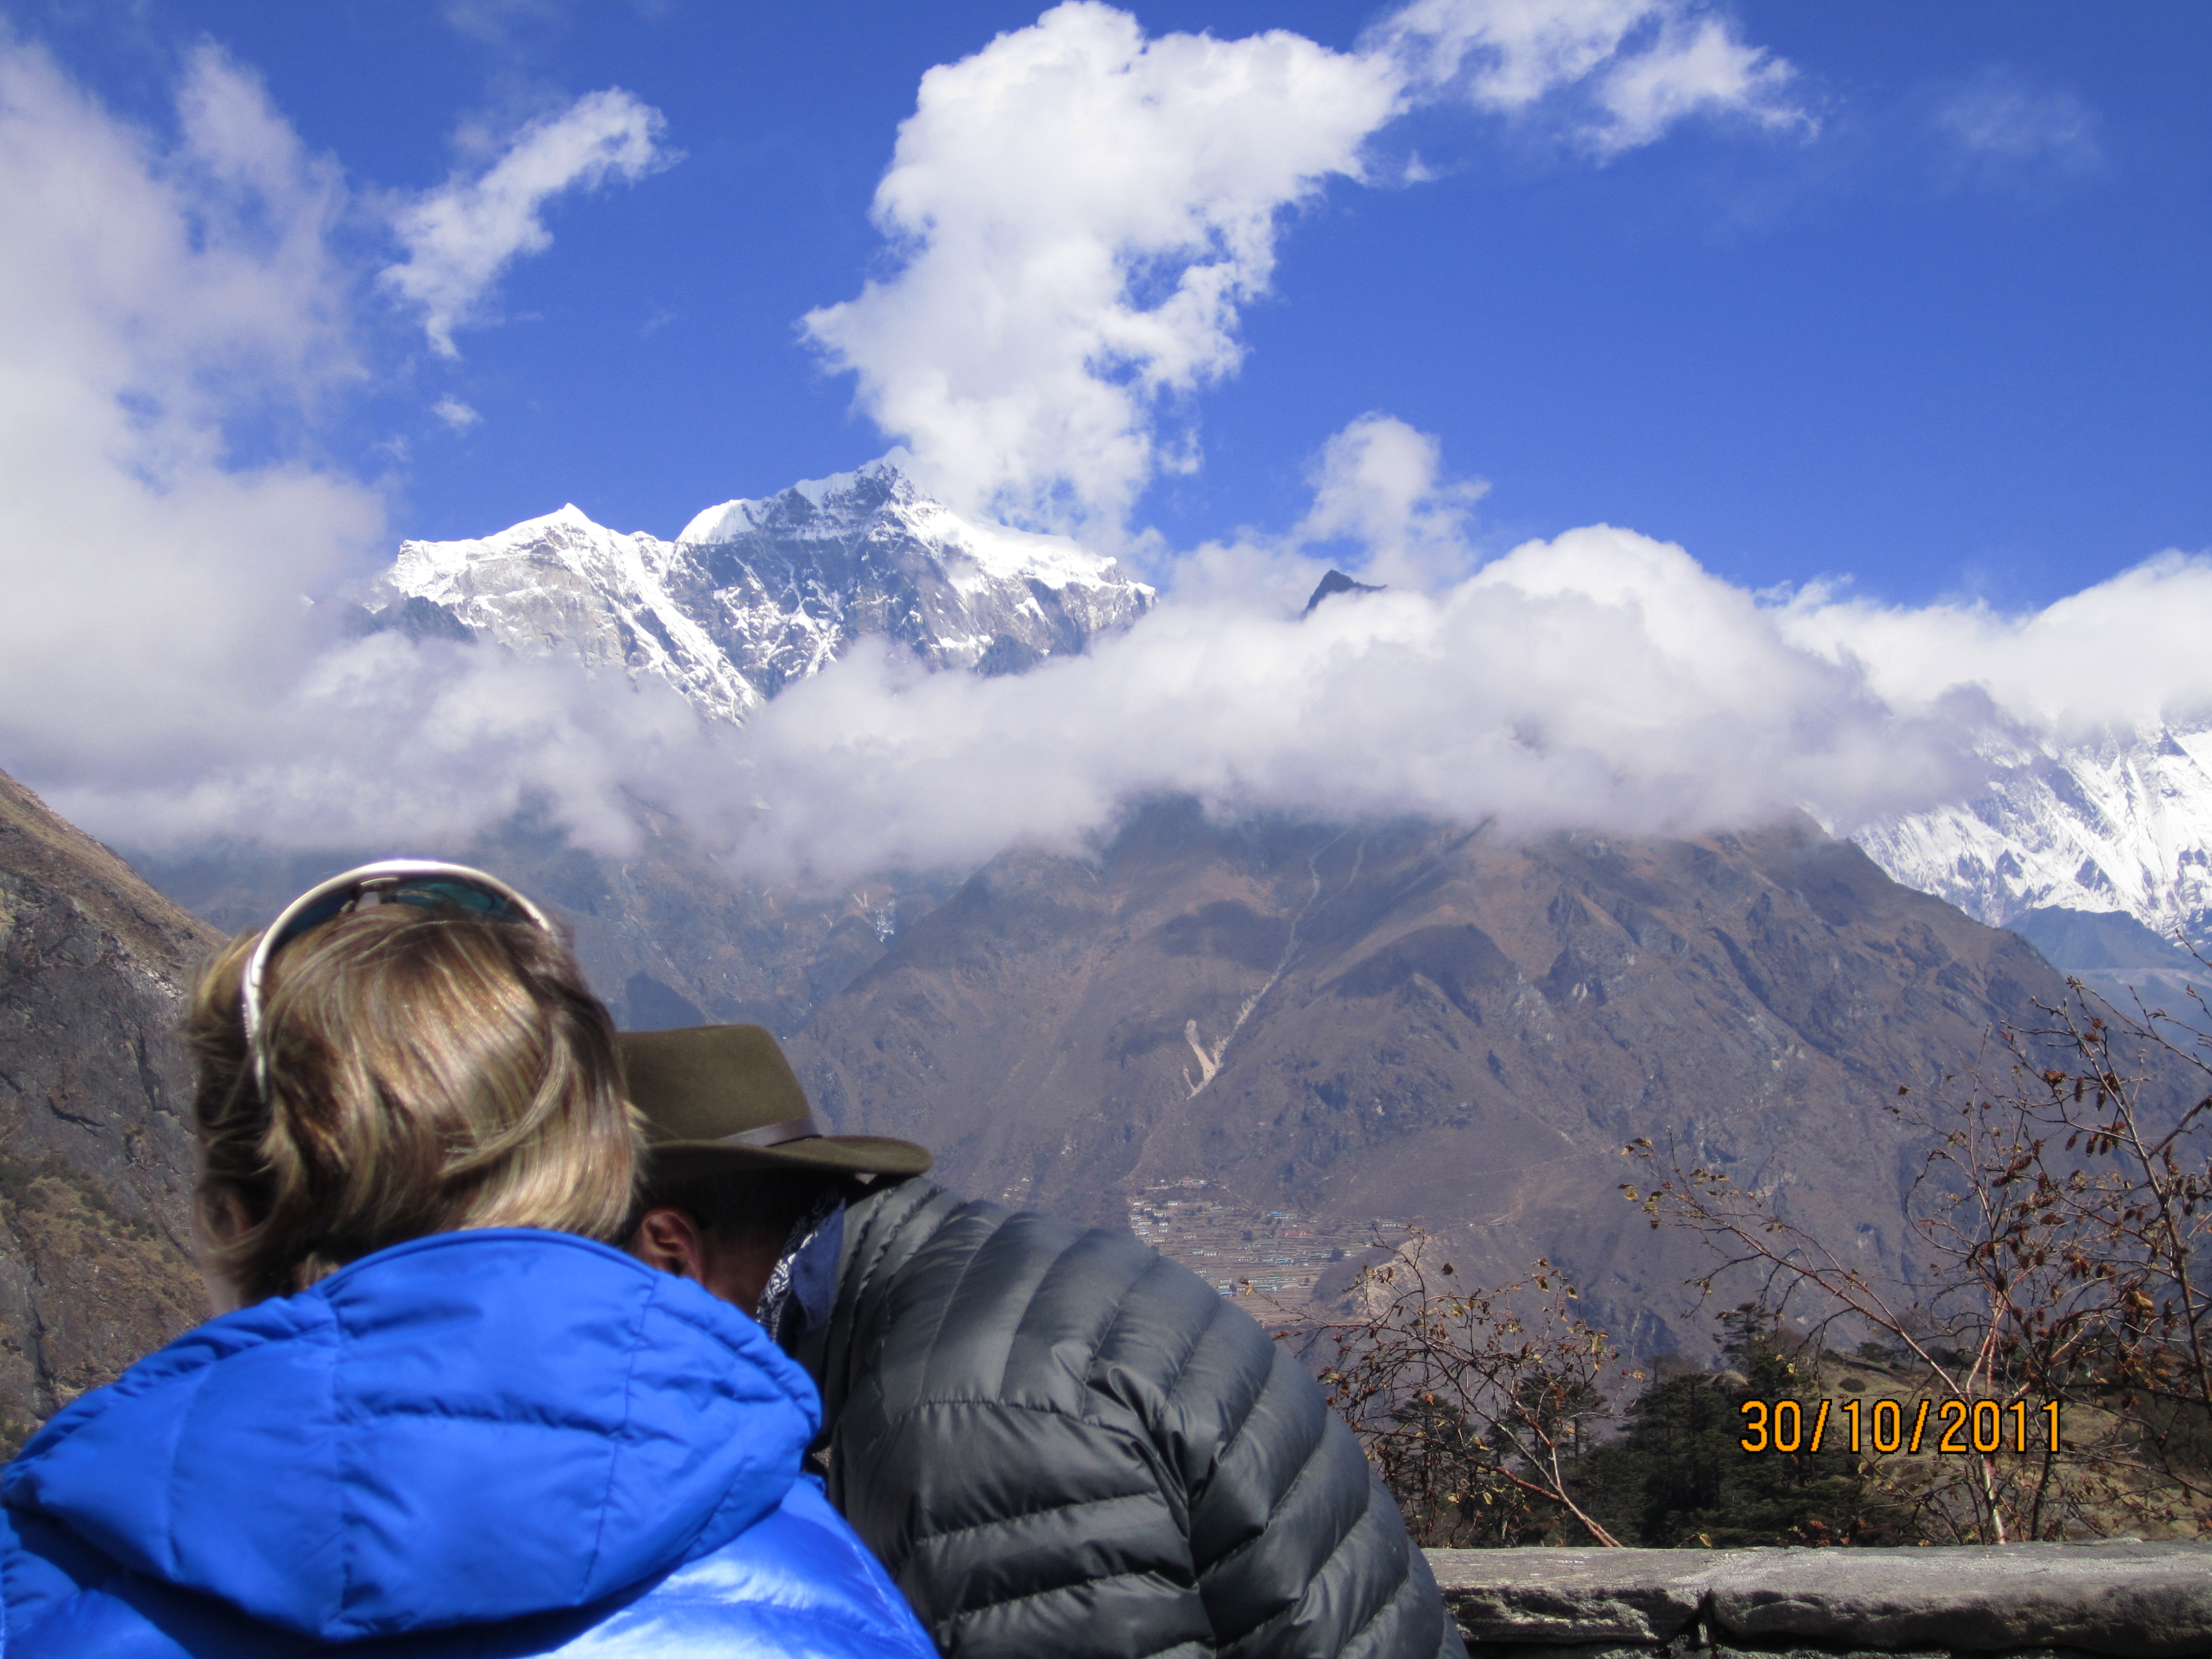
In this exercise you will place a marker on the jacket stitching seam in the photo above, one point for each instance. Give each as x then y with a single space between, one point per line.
953 1294
1276 1505
614 1440
1031 1514
1388 1601
1244 1422
1197 1340
893 1425
1052 1589
1121 1302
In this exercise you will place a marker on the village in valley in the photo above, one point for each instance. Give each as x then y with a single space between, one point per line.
1240 1248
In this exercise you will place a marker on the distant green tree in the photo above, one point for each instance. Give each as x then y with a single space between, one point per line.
1678 1474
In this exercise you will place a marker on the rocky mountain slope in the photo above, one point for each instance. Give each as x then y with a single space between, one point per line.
95 1157
2120 825
1410 1021
754 595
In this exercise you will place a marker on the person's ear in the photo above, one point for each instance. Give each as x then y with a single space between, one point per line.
670 1239
218 1219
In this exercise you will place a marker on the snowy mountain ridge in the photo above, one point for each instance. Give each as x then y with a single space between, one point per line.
2122 823
755 595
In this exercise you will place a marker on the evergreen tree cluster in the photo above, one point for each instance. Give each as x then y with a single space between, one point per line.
1677 1476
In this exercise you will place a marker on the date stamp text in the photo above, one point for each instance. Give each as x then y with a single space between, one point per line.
1946 1427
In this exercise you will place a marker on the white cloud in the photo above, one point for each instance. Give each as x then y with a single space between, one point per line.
1697 67
455 413
159 675
1079 213
1377 483
2125 653
462 235
1640 65
1598 680
149 293
384 743
501 23
2003 128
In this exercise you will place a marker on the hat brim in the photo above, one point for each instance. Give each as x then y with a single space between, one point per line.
829 1154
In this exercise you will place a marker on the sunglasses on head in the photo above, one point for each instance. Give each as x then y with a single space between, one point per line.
422 882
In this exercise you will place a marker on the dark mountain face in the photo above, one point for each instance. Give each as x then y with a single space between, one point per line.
95 1153
1415 1021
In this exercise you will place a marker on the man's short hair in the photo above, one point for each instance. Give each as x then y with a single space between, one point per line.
747 1209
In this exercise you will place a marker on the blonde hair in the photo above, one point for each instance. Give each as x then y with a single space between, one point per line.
427 1072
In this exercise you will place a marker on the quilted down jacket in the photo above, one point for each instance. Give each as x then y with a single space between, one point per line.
1064 1445
489 1444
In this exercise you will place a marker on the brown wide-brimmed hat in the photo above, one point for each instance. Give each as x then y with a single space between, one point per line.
719 1097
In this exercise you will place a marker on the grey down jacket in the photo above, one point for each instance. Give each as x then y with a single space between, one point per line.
1064 1446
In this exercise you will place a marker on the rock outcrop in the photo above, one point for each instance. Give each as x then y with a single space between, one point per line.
95 1153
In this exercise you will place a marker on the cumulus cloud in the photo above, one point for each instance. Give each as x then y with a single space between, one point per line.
388 743
2124 654
462 236
1078 214
1596 680
455 413
1379 482
1599 679
1637 65
149 292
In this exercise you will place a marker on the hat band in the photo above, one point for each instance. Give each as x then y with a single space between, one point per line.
774 1134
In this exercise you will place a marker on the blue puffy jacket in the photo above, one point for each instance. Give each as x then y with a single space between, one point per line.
491 1444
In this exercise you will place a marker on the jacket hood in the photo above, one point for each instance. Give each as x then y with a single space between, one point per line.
468 1427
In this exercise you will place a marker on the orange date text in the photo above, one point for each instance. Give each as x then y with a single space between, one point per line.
1951 1427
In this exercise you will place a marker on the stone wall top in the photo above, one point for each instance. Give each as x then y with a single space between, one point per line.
2132 1600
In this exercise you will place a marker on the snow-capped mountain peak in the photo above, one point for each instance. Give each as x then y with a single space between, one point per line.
754 595
2121 823
834 495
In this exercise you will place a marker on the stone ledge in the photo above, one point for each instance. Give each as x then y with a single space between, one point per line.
2130 1601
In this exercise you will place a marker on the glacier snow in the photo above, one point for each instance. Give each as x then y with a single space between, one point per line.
2120 822
753 595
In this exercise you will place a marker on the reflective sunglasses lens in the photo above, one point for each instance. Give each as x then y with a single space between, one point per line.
431 892
322 910
426 892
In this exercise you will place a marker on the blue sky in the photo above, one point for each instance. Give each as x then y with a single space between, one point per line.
1936 356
